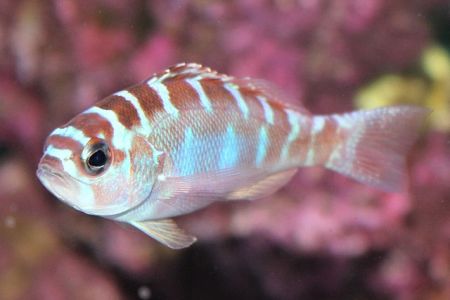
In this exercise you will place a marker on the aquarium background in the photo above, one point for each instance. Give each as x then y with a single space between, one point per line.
322 236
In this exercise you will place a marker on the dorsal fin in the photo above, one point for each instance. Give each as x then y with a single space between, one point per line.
271 92
259 86
187 70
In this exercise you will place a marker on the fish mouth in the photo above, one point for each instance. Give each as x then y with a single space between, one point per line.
53 180
47 171
50 180
49 165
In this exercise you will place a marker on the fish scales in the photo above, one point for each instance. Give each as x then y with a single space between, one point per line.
189 136
219 117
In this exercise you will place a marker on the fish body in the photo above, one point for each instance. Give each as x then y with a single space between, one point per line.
189 136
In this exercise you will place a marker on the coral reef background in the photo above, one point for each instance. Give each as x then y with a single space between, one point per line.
321 237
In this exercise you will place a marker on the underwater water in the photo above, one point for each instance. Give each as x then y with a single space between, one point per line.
322 236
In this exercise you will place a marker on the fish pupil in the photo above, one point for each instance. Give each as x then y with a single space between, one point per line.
97 159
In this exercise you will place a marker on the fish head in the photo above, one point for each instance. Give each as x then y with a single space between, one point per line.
98 171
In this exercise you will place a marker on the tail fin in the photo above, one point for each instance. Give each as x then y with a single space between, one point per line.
376 144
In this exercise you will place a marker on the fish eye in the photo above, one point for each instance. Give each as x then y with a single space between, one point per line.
96 157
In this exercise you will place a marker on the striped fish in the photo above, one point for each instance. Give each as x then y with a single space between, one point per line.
189 136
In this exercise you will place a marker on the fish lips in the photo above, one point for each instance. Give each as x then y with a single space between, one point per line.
54 181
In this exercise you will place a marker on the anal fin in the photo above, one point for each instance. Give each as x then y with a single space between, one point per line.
167 232
264 187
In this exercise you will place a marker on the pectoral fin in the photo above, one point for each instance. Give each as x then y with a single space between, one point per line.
262 188
167 232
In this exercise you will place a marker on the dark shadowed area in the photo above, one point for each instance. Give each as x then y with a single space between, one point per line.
323 236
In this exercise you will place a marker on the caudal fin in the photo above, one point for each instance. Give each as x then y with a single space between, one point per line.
376 145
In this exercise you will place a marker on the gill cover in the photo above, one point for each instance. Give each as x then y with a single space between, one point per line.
128 181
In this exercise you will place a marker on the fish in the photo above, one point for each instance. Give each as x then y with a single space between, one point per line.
189 136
